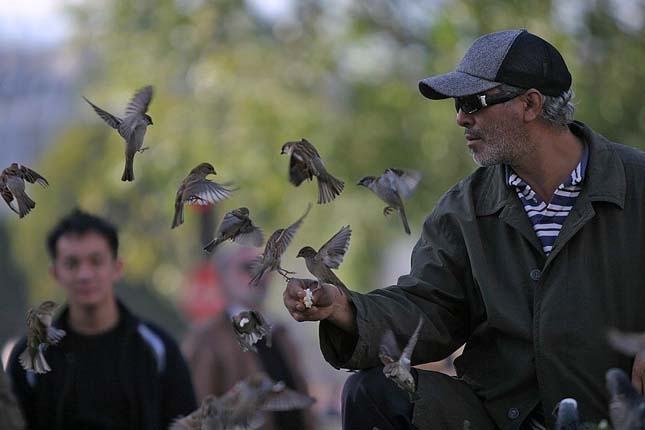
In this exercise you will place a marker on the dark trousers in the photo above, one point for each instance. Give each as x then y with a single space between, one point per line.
372 401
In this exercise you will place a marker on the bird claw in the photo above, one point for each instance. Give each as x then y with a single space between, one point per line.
387 210
285 274
144 148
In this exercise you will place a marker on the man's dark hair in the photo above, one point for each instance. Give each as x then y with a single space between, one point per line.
79 223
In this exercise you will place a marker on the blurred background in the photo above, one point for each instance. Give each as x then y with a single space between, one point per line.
234 80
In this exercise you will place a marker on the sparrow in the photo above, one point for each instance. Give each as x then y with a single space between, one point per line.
626 405
195 189
305 163
393 186
627 343
273 250
251 326
40 334
12 187
329 256
195 420
132 127
238 227
398 369
243 406
566 412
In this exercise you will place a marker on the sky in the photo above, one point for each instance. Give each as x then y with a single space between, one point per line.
33 22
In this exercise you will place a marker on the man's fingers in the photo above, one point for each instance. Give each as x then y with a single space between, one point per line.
638 372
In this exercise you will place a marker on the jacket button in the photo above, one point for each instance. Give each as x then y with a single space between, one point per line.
513 414
535 274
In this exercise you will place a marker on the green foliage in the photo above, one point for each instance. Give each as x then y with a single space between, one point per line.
233 85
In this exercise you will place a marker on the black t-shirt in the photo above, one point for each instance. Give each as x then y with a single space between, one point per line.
97 399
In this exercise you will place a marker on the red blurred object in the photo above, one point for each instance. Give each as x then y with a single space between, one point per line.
201 297
201 209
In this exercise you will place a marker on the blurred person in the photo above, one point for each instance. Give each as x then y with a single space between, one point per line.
527 261
112 370
10 414
217 360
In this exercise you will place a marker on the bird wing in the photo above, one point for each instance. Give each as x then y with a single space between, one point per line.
286 400
409 348
204 191
403 181
333 251
388 349
229 223
308 153
251 237
283 240
7 195
32 176
627 343
111 120
139 102
298 170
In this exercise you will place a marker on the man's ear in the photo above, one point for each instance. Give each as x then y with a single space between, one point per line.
118 264
532 105
52 270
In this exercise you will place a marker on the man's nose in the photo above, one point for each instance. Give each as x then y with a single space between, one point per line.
464 119
85 270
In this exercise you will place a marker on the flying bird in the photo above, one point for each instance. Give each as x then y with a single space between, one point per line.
393 186
273 250
567 417
132 127
12 187
251 326
305 163
626 405
40 334
243 406
396 364
329 256
195 189
238 227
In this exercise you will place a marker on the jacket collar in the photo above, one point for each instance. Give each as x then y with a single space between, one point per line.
604 179
129 320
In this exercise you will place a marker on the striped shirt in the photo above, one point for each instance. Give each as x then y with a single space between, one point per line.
547 218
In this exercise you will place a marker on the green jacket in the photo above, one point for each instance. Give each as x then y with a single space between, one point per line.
534 326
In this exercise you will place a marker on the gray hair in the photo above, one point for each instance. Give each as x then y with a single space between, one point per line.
557 110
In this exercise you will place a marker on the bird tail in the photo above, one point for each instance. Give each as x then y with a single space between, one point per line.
328 188
404 219
35 363
210 246
25 203
258 269
179 216
128 172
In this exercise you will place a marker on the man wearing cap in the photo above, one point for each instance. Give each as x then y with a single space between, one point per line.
527 261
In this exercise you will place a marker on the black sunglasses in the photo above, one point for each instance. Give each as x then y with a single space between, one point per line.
477 102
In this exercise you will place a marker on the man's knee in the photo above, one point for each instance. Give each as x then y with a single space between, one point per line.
364 387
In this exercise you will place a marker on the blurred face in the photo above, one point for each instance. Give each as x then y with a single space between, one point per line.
86 269
236 277
496 134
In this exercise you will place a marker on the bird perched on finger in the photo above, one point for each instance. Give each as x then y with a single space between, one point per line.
626 405
251 326
566 413
40 334
132 127
12 187
329 256
238 227
195 189
305 163
393 186
274 248
397 365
